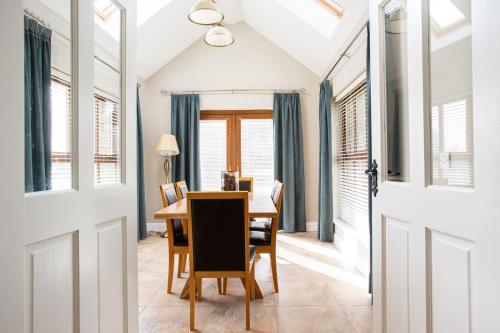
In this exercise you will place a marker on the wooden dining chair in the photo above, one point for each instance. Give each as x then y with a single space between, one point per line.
222 252
177 240
246 184
265 240
264 224
182 189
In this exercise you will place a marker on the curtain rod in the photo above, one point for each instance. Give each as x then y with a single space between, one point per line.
233 91
346 50
47 25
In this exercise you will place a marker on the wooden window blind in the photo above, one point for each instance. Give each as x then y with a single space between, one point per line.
61 134
352 157
107 141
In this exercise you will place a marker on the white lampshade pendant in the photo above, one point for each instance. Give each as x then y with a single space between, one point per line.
219 36
205 12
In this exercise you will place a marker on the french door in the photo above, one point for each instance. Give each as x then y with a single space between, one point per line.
68 257
237 141
435 127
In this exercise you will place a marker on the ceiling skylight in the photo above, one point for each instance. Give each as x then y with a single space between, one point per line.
445 13
147 8
322 15
107 16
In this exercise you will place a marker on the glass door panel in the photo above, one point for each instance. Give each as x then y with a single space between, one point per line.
213 152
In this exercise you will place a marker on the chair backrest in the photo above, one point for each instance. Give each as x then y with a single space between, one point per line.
246 184
169 197
277 197
182 189
218 231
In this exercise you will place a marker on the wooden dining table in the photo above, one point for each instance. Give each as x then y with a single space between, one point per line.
259 206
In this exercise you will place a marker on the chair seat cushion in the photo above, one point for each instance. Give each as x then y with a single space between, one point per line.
180 239
260 238
260 225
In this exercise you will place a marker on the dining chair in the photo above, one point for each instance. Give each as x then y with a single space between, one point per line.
264 224
182 190
246 184
222 252
177 240
265 240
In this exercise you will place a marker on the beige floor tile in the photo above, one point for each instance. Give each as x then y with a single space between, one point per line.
317 319
360 317
305 293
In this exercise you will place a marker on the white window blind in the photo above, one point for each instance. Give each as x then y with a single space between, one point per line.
452 149
352 158
257 158
107 141
61 134
213 153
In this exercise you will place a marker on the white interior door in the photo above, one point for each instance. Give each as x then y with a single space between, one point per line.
435 124
68 257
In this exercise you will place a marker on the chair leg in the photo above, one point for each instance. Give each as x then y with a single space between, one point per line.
179 264
184 260
170 271
274 269
252 282
219 285
247 300
192 291
199 287
224 286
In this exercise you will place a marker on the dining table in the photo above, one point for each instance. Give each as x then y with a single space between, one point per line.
259 206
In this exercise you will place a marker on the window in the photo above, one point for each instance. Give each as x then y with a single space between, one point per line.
352 157
107 141
61 134
237 141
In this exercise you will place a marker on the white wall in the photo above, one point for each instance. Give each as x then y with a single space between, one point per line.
252 62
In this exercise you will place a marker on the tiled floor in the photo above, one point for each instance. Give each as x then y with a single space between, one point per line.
319 292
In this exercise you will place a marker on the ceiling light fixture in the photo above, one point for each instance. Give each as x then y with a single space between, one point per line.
205 12
219 36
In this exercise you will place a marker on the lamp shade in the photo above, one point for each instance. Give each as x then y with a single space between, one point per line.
167 145
219 36
205 12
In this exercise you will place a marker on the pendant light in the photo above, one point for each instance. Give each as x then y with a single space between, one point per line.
219 36
205 12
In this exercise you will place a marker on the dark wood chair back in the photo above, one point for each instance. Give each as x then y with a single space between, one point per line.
218 231
169 197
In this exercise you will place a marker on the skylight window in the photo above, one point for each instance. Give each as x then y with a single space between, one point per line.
107 16
104 9
445 13
319 14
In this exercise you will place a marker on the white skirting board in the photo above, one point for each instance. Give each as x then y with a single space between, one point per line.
158 226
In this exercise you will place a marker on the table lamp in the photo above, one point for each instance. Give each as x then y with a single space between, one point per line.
167 146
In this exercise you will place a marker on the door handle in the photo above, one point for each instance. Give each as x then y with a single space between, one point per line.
373 174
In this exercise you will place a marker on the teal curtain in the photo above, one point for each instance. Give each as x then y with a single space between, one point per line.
289 160
37 106
185 120
325 199
142 230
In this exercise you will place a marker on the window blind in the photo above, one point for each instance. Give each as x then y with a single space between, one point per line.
352 157
452 149
213 153
61 134
257 157
106 141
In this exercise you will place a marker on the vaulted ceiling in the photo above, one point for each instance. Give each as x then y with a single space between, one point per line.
302 28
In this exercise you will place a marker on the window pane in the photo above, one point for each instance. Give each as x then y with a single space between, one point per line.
257 153
48 113
396 91
352 158
213 153
61 134
451 93
108 85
